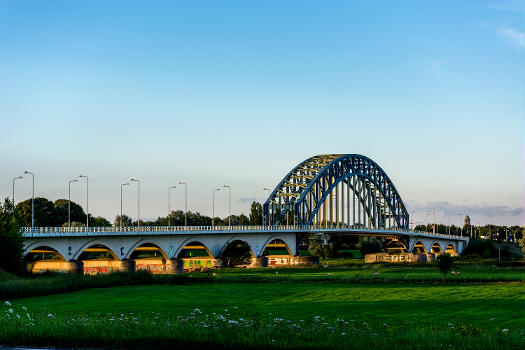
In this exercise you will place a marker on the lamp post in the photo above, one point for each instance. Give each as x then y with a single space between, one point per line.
87 200
14 179
138 201
169 205
461 227
69 203
122 185
434 228
185 203
213 206
269 216
229 203
426 221
32 201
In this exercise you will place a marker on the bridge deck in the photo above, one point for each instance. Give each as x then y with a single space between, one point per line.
210 230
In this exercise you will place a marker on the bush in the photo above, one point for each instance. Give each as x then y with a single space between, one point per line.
444 262
237 253
11 241
370 248
484 248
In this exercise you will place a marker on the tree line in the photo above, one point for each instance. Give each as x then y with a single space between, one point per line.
494 232
55 214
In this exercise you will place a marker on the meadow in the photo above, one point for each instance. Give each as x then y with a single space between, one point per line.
352 307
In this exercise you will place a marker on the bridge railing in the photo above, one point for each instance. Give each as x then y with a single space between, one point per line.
134 230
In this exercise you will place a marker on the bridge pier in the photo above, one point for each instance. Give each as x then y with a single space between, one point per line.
107 266
306 260
260 261
56 265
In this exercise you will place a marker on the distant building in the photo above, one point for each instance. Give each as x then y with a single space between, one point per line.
467 221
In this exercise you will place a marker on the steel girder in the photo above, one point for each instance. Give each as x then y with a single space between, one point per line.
304 190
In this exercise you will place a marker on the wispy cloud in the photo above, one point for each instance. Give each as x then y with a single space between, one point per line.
249 199
482 209
512 36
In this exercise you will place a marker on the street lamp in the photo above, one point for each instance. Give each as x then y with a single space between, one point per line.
434 228
69 203
229 203
269 216
87 200
32 201
213 206
460 216
169 205
14 179
185 203
138 201
426 221
124 184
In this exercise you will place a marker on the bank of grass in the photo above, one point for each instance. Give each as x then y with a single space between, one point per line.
463 272
273 315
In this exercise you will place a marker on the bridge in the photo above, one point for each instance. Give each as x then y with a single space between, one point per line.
325 195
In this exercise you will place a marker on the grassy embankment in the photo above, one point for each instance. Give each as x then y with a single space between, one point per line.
262 315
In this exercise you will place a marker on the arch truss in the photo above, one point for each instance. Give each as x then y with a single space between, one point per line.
336 190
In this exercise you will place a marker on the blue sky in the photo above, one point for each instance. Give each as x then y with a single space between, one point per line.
239 92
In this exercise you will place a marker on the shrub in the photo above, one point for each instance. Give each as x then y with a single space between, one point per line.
237 253
444 262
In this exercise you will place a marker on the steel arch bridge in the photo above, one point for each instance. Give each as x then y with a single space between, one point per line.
336 190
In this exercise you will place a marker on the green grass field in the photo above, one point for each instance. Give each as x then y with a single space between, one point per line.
255 315
341 306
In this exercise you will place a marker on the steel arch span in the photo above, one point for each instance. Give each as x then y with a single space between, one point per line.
336 190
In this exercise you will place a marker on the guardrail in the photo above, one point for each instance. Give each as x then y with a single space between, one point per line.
134 230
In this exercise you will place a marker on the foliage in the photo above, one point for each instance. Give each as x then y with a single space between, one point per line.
237 253
370 248
325 248
481 247
522 240
98 221
126 221
444 262
11 241
256 217
45 212
61 212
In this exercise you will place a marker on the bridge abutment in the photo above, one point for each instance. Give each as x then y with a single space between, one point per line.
56 266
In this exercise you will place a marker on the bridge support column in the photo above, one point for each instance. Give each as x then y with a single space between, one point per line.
175 266
57 266
260 261
306 260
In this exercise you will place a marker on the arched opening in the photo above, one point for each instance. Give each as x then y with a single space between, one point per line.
395 247
43 253
44 258
278 253
419 248
237 253
150 257
196 256
451 250
98 258
436 249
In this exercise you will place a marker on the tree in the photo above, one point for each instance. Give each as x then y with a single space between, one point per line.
522 241
11 241
98 221
61 209
237 253
126 221
444 262
256 214
325 248
45 213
